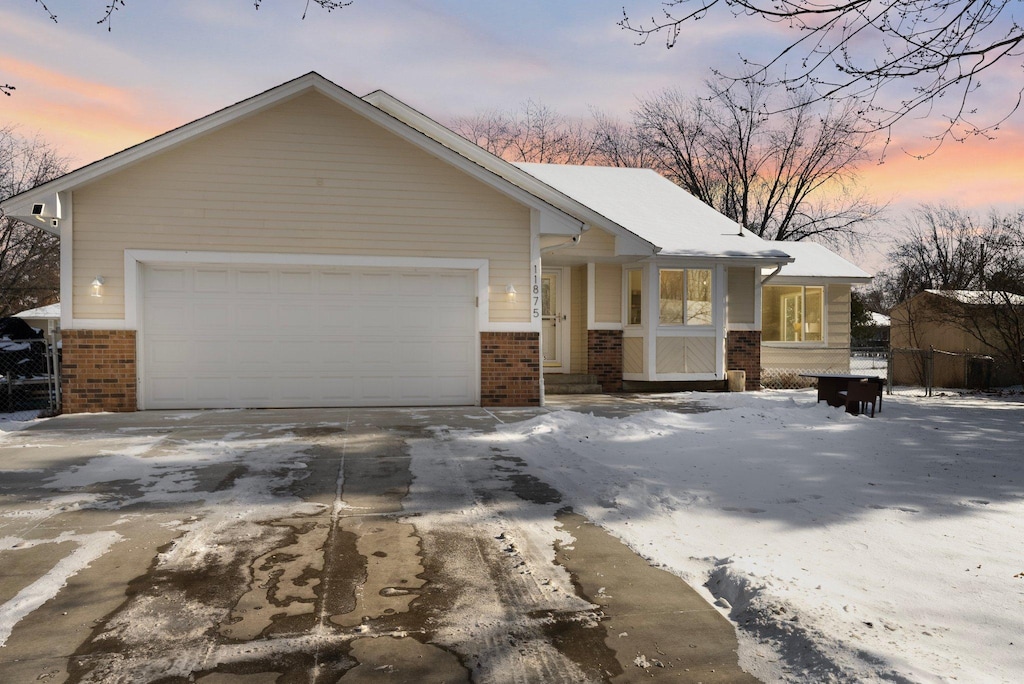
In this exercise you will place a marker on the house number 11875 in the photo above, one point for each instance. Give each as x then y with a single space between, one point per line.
535 292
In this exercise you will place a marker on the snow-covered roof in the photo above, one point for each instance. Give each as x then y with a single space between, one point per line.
658 210
880 320
980 296
48 311
817 261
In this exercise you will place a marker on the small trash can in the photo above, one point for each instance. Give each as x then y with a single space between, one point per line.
737 380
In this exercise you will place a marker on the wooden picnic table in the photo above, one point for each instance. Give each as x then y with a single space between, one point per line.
831 384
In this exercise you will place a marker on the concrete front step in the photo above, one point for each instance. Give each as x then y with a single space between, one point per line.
571 383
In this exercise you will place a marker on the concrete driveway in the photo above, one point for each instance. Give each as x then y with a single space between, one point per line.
322 546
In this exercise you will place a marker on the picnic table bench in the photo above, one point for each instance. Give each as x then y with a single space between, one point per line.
832 387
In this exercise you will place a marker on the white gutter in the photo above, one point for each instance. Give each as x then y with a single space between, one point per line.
571 242
772 274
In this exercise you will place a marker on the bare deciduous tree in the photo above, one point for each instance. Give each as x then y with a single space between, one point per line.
980 264
534 133
29 257
113 6
788 175
893 56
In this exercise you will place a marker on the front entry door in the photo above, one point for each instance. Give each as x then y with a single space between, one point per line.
553 319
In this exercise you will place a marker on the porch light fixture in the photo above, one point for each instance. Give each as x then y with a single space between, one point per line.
510 293
97 286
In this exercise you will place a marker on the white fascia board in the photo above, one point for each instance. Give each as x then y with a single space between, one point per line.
675 260
819 280
629 244
557 223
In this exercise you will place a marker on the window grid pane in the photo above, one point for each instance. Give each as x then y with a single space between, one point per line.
635 299
698 297
671 297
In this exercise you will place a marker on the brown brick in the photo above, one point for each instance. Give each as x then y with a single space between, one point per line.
743 352
98 371
509 369
604 358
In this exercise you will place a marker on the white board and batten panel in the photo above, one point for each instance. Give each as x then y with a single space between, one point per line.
230 336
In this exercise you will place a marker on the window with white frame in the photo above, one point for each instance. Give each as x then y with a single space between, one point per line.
684 296
792 313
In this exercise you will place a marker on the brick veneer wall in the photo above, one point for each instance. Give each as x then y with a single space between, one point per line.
604 358
743 352
509 369
98 371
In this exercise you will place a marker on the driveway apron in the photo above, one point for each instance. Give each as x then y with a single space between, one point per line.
321 546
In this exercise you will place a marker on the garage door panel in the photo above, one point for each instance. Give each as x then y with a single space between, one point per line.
335 283
452 318
239 336
173 280
212 390
168 317
168 388
292 282
211 280
210 315
253 282
453 353
297 317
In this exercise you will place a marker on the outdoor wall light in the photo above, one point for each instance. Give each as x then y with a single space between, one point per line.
510 293
97 286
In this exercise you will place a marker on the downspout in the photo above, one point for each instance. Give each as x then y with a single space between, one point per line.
772 274
571 242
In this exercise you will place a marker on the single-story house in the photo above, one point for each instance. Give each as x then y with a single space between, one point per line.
45 319
433 272
943 320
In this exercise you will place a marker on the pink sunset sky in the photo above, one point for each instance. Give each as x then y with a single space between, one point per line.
91 92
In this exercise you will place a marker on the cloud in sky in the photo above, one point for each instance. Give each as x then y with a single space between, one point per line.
92 92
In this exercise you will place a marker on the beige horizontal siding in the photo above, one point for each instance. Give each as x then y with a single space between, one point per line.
596 243
308 176
838 297
741 284
607 293
820 360
578 329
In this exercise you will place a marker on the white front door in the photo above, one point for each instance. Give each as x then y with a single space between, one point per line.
554 319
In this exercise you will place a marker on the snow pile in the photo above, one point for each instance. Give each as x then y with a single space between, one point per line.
860 549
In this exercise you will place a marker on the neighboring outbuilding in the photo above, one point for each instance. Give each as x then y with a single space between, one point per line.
307 247
45 319
958 338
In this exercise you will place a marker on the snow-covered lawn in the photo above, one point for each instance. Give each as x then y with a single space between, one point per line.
859 549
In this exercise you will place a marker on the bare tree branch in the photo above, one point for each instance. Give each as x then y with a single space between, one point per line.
784 172
894 57
29 257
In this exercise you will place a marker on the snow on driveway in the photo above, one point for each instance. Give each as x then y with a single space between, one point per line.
858 549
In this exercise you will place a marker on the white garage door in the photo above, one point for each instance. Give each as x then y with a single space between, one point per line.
217 336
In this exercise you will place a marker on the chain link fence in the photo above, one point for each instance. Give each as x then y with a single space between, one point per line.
29 375
920 371
913 372
789 374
